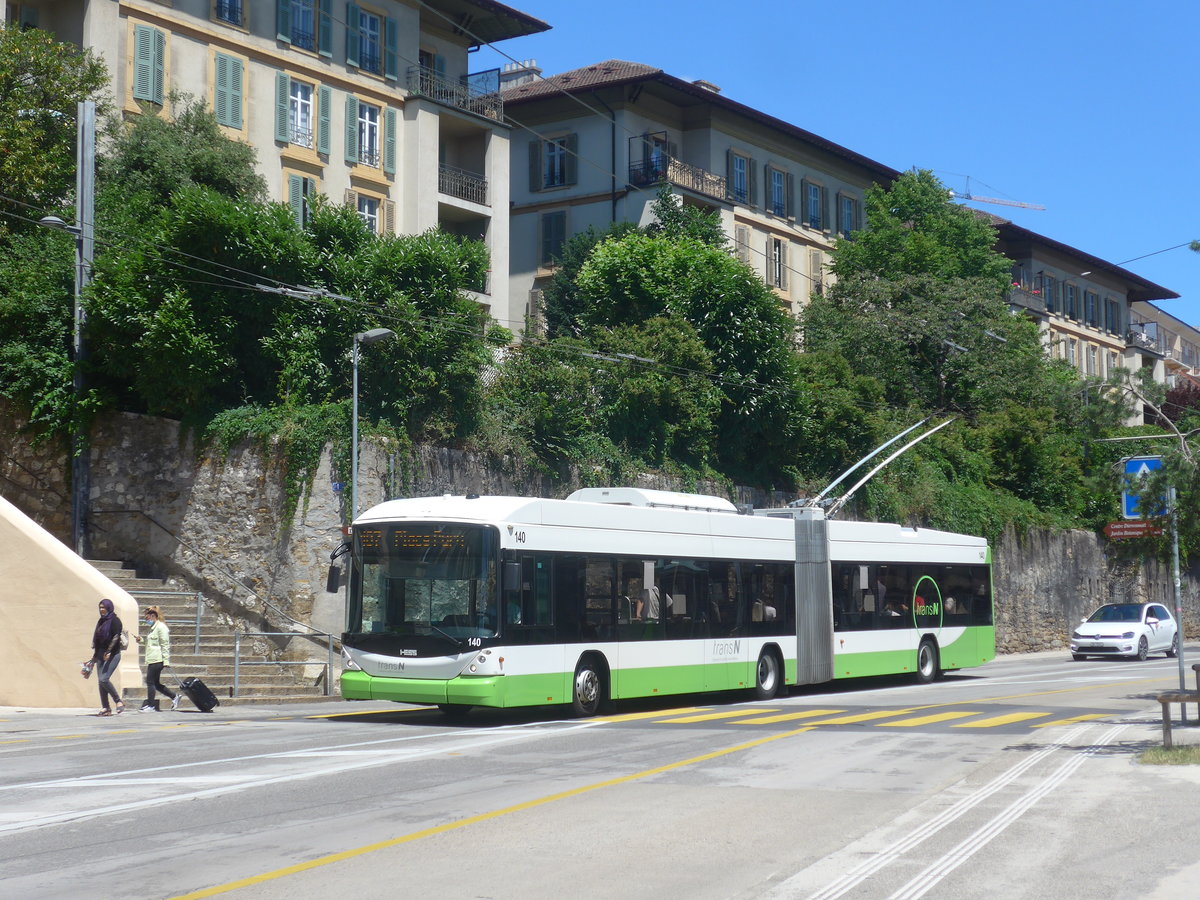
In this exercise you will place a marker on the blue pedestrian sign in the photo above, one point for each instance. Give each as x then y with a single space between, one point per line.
1132 507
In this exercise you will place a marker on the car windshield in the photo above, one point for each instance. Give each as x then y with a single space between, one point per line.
1118 612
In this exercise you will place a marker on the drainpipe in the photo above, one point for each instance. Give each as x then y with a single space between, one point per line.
612 118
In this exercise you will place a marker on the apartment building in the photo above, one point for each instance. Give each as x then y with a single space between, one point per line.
591 145
369 103
1085 306
1176 340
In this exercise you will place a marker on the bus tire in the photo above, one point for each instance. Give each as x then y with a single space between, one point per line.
766 675
454 710
587 688
927 661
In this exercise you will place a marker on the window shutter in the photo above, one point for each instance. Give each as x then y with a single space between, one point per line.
324 126
815 272
296 198
235 93
728 174
160 55
352 199
351 129
389 217
283 95
325 27
752 182
352 41
389 141
143 62
535 165
283 20
571 145
770 279
805 202
826 220
221 89
391 55
790 191
741 240
783 272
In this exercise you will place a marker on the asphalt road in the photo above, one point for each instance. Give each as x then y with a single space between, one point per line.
1015 780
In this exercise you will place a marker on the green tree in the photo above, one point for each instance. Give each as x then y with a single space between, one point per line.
41 83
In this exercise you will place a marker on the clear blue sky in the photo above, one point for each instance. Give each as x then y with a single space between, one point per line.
1088 109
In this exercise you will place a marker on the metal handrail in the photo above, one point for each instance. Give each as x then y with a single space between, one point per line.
313 632
237 657
199 597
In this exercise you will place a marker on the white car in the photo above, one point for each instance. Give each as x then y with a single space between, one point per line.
1126 629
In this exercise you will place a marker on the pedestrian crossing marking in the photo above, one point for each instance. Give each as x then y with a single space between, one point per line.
1073 720
630 717
863 717
709 716
930 719
787 717
1001 720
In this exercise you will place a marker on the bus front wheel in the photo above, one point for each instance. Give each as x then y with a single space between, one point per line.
766 676
927 661
587 688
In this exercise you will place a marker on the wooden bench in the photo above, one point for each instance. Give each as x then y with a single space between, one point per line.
1182 697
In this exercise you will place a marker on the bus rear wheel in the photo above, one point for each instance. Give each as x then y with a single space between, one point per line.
766 676
587 691
927 661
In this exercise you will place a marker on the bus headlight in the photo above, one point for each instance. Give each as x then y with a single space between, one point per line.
348 662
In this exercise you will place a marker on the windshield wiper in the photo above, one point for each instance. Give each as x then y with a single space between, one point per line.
458 642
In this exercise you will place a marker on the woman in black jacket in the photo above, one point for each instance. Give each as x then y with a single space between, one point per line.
106 654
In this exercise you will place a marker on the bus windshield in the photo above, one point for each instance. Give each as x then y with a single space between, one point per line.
424 578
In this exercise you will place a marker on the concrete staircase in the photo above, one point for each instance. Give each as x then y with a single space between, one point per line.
259 679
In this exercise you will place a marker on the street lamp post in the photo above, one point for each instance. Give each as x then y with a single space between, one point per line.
84 232
363 337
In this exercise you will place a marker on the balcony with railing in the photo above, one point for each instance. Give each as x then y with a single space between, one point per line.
462 184
1143 336
426 82
1027 298
681 174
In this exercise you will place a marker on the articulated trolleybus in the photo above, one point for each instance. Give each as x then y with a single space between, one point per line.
621 592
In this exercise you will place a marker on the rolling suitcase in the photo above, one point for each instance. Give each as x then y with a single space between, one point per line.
197 691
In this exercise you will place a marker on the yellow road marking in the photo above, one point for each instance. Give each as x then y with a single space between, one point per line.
787 717
709 716
867 717
368 712
926 720
629 717
1001 720
124 731
475 820
17 741
67 737
1074 719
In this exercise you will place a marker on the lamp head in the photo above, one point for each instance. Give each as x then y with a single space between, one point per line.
374 335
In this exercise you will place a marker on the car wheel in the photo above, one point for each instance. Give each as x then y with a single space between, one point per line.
766 676
927 661
1143 648
1173 650
588 689
1078 657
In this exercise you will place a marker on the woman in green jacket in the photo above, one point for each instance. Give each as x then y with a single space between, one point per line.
158 654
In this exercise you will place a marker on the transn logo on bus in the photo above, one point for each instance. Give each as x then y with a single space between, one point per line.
726 648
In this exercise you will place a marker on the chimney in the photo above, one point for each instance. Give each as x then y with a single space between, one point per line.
515 74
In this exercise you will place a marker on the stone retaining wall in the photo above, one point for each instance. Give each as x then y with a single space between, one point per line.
215 524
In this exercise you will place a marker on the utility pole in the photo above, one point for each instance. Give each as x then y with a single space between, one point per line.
85 208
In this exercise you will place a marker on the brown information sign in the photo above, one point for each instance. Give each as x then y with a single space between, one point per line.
1116 531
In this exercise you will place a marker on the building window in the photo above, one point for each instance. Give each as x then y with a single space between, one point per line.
150 51
300 114
553 227
368 210
1072 357
1112 316
1049 288
378 214
814 205
847 215
300 189
303 32
1070 301
1113 362
21 15
779 201
368 134
1092 359
777 262
370 42
228 11
553 163
227 91
739 178
1091 308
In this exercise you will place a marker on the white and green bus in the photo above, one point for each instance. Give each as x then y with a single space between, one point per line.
616 593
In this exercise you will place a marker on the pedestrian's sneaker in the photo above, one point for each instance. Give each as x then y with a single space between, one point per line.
146 707
175 701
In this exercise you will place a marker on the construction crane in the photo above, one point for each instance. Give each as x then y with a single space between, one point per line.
976 199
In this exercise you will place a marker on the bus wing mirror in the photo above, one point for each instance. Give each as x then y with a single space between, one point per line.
333 580
512 576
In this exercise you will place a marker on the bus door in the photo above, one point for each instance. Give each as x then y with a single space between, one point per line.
727 648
